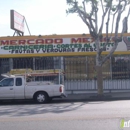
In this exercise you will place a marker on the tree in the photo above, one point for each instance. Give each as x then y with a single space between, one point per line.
109 11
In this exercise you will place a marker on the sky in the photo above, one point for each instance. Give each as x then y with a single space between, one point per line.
44 17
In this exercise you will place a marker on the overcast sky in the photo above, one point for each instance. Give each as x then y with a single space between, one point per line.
43 17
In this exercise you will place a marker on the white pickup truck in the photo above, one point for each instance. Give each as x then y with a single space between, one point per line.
16 87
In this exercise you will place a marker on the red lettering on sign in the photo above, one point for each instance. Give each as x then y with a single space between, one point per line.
78 40
39 41
87 40
48 41
82 40
13 42
4 42
30 41
22 42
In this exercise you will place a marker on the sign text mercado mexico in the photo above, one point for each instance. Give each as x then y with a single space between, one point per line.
57 45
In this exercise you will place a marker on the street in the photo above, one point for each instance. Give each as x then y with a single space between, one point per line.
89 115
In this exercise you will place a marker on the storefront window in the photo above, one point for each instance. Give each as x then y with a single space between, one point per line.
120 67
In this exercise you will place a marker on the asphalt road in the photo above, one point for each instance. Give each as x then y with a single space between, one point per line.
98 115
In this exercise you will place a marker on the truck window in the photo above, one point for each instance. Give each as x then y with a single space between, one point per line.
54 79
7 82
18 81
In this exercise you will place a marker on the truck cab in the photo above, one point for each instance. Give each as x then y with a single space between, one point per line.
12 88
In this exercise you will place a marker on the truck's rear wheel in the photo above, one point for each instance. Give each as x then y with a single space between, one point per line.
41 97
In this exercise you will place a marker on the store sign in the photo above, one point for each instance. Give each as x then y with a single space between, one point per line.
59 45
17 21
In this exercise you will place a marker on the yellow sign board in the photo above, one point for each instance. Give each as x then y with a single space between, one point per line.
58 45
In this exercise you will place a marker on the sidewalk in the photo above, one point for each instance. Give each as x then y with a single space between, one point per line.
94 97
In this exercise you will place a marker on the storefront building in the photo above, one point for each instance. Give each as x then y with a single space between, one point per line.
75 54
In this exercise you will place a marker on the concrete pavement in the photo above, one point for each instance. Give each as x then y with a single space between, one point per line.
98 115
94 97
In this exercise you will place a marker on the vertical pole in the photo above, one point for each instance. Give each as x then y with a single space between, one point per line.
27 26
62 69
59 76
86 63
99 80
34 65
87 73
26 77
10 63
61 63
111 68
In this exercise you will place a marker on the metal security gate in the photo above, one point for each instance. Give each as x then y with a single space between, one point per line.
43 63
80 73
21 63
33 63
